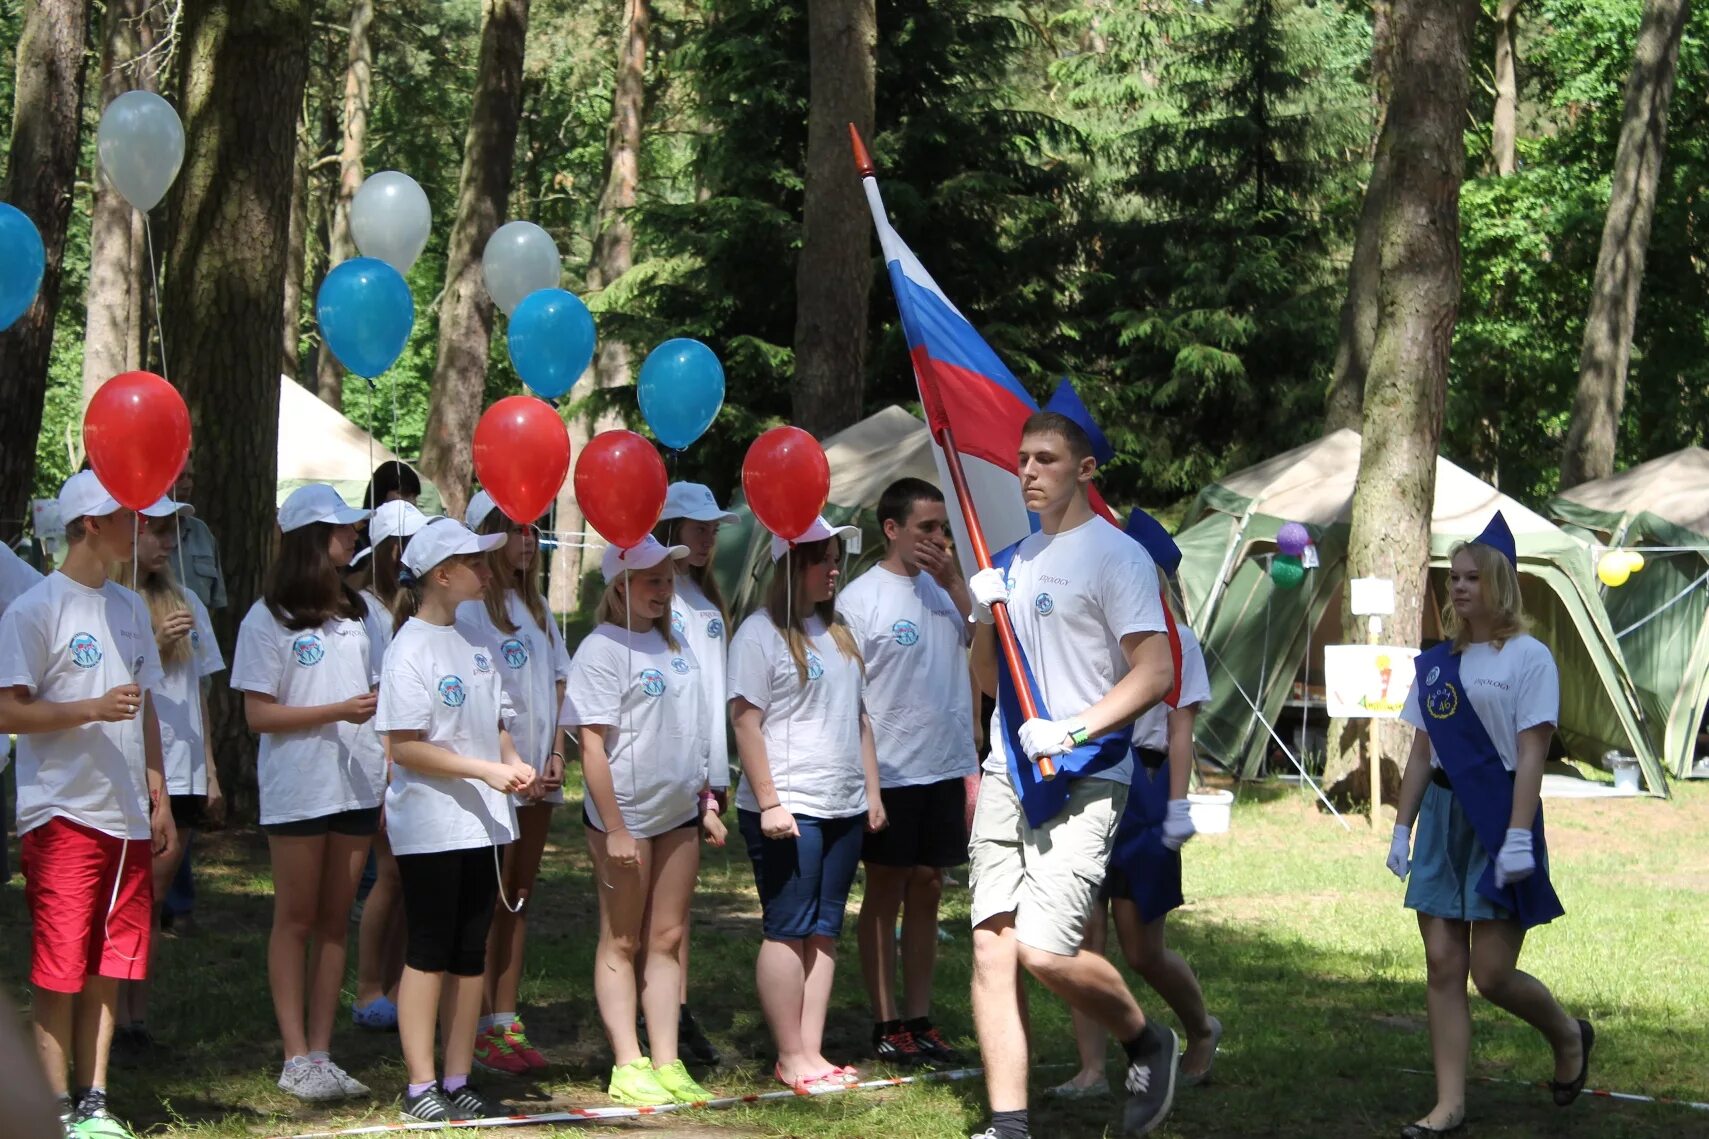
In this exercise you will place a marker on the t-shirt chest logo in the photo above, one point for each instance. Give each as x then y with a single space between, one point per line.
815 666
1044 604
679 666
652 682
452 691
308 650
515 653
482 663
85 650
906 633
679 629
715 629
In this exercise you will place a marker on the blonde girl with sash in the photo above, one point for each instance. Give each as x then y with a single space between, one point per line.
1485 703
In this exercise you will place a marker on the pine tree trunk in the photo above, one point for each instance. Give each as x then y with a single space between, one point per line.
115 286
613 256
1344 405
1607 350
1418 302
358 84
40 174
465 311
296 259
833 278
1504 123
244 64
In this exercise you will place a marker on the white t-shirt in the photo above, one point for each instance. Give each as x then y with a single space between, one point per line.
65 642
1511 688
16 576
1151 730
437 683
316 771
530 663
699 623
654 698
379 623
811 729
1073 597
918 694
178 702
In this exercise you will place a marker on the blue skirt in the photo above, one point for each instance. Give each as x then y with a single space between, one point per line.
1447 861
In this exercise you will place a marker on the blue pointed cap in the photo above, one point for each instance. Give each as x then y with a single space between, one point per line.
1497 536
1151 535
1066 401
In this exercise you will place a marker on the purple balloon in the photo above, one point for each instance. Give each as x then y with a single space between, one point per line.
1293 538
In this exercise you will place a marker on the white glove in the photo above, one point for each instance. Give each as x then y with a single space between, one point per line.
1515 863
1400 848
1048 737
987 587
1178 824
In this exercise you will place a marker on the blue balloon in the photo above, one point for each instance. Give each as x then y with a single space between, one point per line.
551 341
22 262
680 391
366 313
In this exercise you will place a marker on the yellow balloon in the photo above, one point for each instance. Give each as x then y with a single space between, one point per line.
1612 570
1634 561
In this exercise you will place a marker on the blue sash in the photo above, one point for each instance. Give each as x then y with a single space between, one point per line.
1150 871
1482 785
1042 799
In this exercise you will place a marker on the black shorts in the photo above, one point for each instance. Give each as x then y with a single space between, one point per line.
356 824
187 811
928 826
448 907
587 821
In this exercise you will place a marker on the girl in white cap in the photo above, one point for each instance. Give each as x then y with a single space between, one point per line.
637 707
448 810
512 624
691 518
305 666
809 788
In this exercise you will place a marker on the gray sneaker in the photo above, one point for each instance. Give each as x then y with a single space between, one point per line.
1150 1083
348 1085
310 1082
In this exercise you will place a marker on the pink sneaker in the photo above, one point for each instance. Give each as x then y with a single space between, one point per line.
518 1044
494 1054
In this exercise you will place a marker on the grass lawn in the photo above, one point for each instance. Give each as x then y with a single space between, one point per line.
1293 924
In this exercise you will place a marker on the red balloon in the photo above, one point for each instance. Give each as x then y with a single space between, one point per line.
137 435
620 485
787 480
522 453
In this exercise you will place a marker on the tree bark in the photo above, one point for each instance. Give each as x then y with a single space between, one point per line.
296 259
1504 123
1607 350
40 174
244 64
116 287
833 277
1418 296
1345 403
466 312
358 85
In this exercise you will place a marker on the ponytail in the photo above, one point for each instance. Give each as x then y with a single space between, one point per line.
407 601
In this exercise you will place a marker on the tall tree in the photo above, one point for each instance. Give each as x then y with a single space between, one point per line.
1606 353
244 63
358 96
1504 124
465 311
41 172
117 295
296 259
1418 266
833 278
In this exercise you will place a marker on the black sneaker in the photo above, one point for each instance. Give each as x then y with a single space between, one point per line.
932 1044
894 1044
1150 1082
430 1106
691 1042
468 1103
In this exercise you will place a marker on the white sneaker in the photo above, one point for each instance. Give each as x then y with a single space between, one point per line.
348 1085
310 1082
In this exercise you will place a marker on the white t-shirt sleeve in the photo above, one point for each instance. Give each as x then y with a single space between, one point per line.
749 674
1537 691
1127 592
258 663
405 704
207 659
23 648
593 696
1195 678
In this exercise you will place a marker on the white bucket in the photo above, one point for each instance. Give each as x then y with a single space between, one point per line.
1625 774
1211 811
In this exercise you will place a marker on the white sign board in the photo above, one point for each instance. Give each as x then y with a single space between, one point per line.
1373 597
1363 682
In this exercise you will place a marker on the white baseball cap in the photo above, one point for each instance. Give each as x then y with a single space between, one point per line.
818 532
317 502
695 502
441 538
480 507
166 508
644 556
394 519
83 496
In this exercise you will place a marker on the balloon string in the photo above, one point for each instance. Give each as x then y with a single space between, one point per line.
154 291
629 650
789 608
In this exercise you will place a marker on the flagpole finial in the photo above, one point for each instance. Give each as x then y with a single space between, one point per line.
863 160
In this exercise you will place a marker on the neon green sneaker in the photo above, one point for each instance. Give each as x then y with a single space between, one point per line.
102 1126
637 1085
674 1078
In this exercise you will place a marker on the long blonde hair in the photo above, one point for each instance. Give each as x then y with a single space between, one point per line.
786 587
702 576
525 581
1498 583
614 610
165 598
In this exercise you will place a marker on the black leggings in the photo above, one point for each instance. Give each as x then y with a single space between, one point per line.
448 907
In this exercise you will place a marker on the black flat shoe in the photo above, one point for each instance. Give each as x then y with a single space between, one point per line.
1565 1094
1420 1130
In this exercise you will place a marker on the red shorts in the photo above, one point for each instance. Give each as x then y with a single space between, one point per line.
69 873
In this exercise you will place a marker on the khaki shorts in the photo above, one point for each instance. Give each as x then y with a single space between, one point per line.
1048 877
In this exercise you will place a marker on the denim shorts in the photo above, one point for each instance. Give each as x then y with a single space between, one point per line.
804 882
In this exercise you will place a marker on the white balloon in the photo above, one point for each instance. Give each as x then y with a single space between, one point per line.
520 258
141 144
390 219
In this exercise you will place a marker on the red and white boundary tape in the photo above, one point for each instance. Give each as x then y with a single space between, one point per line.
1600 1093
601 1114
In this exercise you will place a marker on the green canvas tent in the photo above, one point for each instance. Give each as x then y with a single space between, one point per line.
1256 635
1661 615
